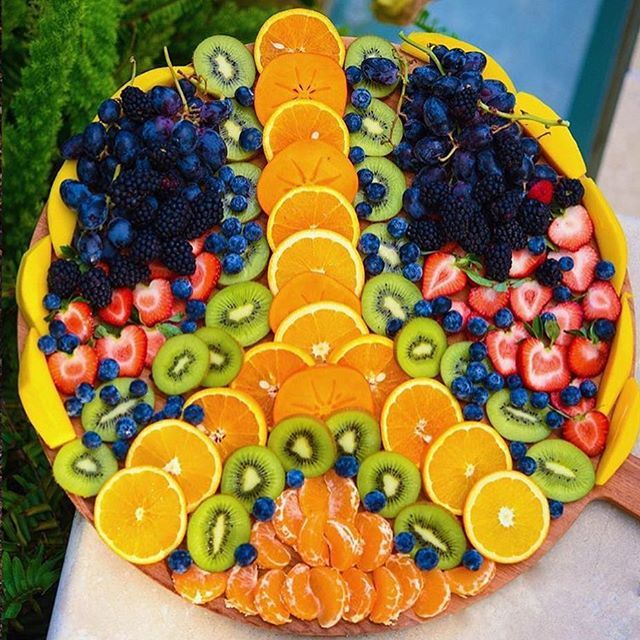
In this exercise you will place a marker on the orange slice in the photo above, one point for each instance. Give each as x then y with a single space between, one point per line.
345 544
464 582
332 593
311 545
415 414
361 595
297 594
306 163
409 578
386 606
232 419
241 588
268 600
272 554
313 496
320 391
266 366
373 357
297 30
307 288
287 518
198 586
141 514
378 540
344 498
435 595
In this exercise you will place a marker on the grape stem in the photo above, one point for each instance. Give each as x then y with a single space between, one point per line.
547 122
175 79
424 49
405 79
134 67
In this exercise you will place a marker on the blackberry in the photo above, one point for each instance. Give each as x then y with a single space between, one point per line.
478 235
130 189
206 212
143 216
463 105
568 192
506 207
63 278
163 158
427 234
489 189
94 286
126 273
549 273
534 216
177 255
508 152
510 233
433 194
170 183
497 262
145 247
136 104
172 218
455 217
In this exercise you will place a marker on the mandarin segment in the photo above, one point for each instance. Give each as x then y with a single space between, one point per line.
241 589
465 583
272 554
345 544
408 575
287 518
198 586
313 496
312 545
386 606
344 498
378 540
298 595
268 601
332 593
361 594
435 596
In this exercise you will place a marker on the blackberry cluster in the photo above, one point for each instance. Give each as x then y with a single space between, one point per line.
177 255
206 212
433 194
489 189
535 217
498 262
136 104
146 247
456 213
172 218
568 192
94 286
63 278
124 272
511 234
131 188
506 207
509 152
427 234
163 157
464 104
549 273
478 236
143 217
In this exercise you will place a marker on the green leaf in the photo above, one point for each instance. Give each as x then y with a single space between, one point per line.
552 330
168 330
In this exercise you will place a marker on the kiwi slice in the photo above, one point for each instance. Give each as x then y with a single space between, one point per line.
180 364
526 424
224 64
225 356
252 472
252 174
388 174
255 260
388 296
454 361
420 346
389 249
355 432
100 417
242 310
393 474
564 472
83 471
381 129
303 443
216 528
371 47
240 118
435 527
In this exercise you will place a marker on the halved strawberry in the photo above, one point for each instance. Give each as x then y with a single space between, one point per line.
128 350
569 316
524 263
155 339
585 404
158 270
588 432
118 311
178 307
601 301
154 301
486 301
441 276
542 191
502 347
587 358
463 309
197 244
78 318
205 277
572 229
528 299
69 370
542 367
581 276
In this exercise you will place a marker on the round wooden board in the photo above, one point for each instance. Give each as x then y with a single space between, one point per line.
622 490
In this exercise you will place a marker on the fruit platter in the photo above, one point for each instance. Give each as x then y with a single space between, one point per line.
329 334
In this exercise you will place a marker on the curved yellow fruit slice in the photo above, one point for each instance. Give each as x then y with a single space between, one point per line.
39 397
623 431
31 284
620 363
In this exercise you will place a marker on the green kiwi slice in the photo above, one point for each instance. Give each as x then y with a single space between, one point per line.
225 356
242 310
388 174
371 47
381 129
252 472
389 249
255 260
388 296
83 471
240 118
355 432
216 528
526 424
224 64
180 364
564 472
102 418
454 361
433 526
252 174
420 346
303 443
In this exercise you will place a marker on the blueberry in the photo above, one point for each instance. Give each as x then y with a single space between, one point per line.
472 411
518 450
412 272
215 243
494 381
126 428
423 309
353 122
250 139
603 328
409 252
91 439
404 542
570 396
354 75
393 326
356 155
561 293
441 304
195 309
472 560
427 559
68 343
369 243
477 351
365 177
373 265
120 232
189 326
181 288
537 245
245 554
237 244
240 186
73 407
170 410
238 204
57 328
452 321
47 344
179 561
226 174
244 95
461 387
514 381
556 509
519 397
193 414
347 466
477 326
554 419
363 210
588 389
108 369
138 388
231 227
374 501
547 316
295 478
480 396
85 392
120 448
232 263
539 399
605 270
263 509
503 318
566 263
397 227
527 465
476 371
51 302
252 231
142 413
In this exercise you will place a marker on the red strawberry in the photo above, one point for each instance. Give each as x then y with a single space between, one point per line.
178 307
586 404
528 299
441 276
587 358
502 347
487 301
69 370
154 301
542 367
581 276
463 309
155 339
569 317
541 191
587 432
78 319
158 270
572 229
524 263
206 276
601 301
128 350
119 310
197 244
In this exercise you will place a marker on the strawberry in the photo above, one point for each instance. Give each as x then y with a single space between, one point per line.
585 404
524 263
158 270
601 301
197 244
487 301
528 299
78 319
463 309
178 307
128 350
587 432
118 311
581 276
542 191
542 367
569 317
502 347
154 301
441 276
206 276
571 230
586 357
155 339
69 370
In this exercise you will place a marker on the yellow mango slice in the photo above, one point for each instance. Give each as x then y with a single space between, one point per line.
40 399
31 284
623 431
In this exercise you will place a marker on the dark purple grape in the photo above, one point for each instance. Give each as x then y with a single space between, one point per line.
94 139
165 100
436 116
414 130
471 79
424 76
190 166
461 189
487 164
216 111
185 137
524 172
412 204
503 102
212 149
439 51
453 61
71 149
464 165
429 150
380 70
491 88
108 168
475 137
127 124
87 170
543 171
126 147
403 156
475 61
446 86
530 146
428 175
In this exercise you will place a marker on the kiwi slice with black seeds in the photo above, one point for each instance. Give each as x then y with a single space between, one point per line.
252 472
371 47
355 432
240 118
381 129
181 364
420 346
252 174
225 356
433 526
526 424
216 528
388 174
255 257
242 310
455 361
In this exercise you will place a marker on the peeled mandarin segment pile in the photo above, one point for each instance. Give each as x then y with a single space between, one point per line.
198 586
